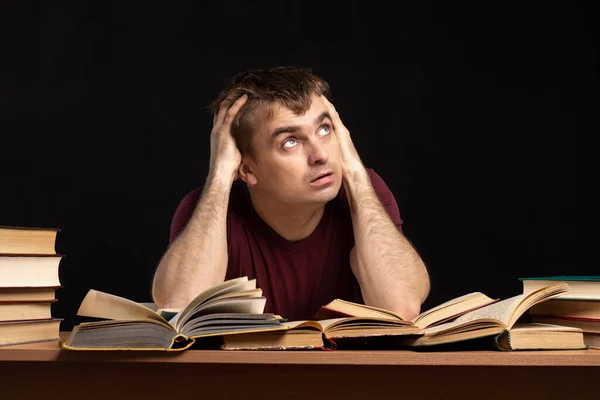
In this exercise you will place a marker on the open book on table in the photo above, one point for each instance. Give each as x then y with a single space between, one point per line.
471 316
229 308
321 334
491 320
450 309
341 320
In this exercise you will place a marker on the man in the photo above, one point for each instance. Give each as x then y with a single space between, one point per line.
288 201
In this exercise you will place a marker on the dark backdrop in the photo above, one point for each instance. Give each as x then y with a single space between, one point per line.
479 120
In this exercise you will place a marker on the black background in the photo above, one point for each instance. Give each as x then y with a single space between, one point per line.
478 118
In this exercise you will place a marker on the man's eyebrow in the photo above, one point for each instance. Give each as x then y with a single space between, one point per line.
321 117
283 129
292 128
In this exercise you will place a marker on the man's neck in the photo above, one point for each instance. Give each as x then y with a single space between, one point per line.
293 223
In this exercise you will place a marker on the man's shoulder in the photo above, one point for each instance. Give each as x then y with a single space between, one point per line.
188 204
193 196
376 179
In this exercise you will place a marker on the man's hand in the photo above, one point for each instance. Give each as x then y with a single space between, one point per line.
351 162
389 271
225 158
200 251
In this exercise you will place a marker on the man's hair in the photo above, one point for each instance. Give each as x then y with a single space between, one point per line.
291 87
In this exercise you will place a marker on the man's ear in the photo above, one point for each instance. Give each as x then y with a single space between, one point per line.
246 171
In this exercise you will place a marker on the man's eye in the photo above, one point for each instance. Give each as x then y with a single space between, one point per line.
289 143
324 130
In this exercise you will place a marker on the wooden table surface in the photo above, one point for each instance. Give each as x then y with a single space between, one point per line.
43 370
51 352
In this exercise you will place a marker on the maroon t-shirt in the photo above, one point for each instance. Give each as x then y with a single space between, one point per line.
297 278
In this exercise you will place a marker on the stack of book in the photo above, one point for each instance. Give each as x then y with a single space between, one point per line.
577 308
28 282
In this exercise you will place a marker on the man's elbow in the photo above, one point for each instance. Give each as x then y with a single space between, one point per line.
425 288
409 305
158 297
408 309
162 296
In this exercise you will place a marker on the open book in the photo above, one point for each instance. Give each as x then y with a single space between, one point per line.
340 319
320 334
448 310
231 307
489 320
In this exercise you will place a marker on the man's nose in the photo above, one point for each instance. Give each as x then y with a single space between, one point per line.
318 154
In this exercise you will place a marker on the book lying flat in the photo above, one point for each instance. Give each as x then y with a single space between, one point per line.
18 294
568 308
581 287
231 307
29 270
298 338
487 321
534 336
321 334
22 332
25 310
24 240
588 325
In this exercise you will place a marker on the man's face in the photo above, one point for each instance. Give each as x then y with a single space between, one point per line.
297 156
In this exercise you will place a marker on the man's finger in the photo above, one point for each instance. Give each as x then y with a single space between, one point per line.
335 117
225 105
233 110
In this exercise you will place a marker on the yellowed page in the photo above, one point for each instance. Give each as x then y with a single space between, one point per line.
536 297
500 311
328 324
233 285
244 294
303 324
241 286
254 305
451 307
97 304
506 312
363 310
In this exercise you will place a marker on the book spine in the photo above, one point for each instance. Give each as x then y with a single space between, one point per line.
496 341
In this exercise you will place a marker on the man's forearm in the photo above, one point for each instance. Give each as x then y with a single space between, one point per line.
197 259
390 272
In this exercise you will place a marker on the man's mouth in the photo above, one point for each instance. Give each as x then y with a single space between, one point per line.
322 176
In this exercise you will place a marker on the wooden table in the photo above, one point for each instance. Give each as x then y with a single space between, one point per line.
43 371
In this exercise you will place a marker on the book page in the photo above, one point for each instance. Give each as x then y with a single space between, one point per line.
232 285
97 304
500 311
250 305
537 297
359 310
246 286
359 322
452 307
326 323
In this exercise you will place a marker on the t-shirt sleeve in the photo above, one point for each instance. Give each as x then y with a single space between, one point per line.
386 197
183 213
